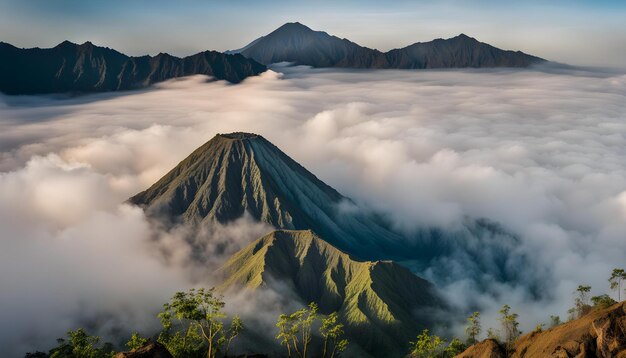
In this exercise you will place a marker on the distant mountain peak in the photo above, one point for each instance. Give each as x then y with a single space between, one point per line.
297 43
295 29
66 44
293 26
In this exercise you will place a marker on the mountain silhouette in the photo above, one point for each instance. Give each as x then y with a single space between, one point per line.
296 43
70 67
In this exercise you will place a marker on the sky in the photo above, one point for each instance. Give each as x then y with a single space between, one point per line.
578 32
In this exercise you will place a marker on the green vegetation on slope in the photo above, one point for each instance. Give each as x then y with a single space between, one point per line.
378 302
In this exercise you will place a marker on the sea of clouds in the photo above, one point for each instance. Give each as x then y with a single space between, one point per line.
541 152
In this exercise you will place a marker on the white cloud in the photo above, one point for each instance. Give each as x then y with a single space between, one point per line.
540 153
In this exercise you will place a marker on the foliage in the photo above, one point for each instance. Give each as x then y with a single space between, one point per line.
236 326
81 345
617 276
192 324
187 343
538 328
555 321
431 346
305 319
332 332
287 331
509 325
136 341
427 345
295 330
492 334
454 348
581 302
473 328
602 301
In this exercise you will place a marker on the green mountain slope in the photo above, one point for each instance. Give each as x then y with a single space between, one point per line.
381 303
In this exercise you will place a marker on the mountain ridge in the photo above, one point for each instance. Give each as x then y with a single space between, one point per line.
381 303
76 68
299 44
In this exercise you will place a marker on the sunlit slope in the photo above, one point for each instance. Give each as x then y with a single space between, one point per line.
241 172
382 303
599 333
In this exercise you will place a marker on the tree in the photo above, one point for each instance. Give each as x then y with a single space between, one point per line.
539 328
287 332
236 326
305 318
473 328
555 321
617 276
427 345
454 348
81 345
509 326
602 301
199 321
332 332
298 323
136 341
581 302
491 334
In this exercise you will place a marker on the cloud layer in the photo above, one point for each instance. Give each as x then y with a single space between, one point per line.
540 153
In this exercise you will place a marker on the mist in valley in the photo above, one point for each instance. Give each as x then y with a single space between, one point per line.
539 152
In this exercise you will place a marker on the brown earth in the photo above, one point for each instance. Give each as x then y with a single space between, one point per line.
600 333
150 350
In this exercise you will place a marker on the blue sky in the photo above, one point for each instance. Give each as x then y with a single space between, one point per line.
581 32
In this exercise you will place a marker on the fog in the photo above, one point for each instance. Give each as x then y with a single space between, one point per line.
539 152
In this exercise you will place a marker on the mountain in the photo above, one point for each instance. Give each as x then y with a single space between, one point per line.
242 172
294 42
382 304
237 173
69 67
600 333
457 52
